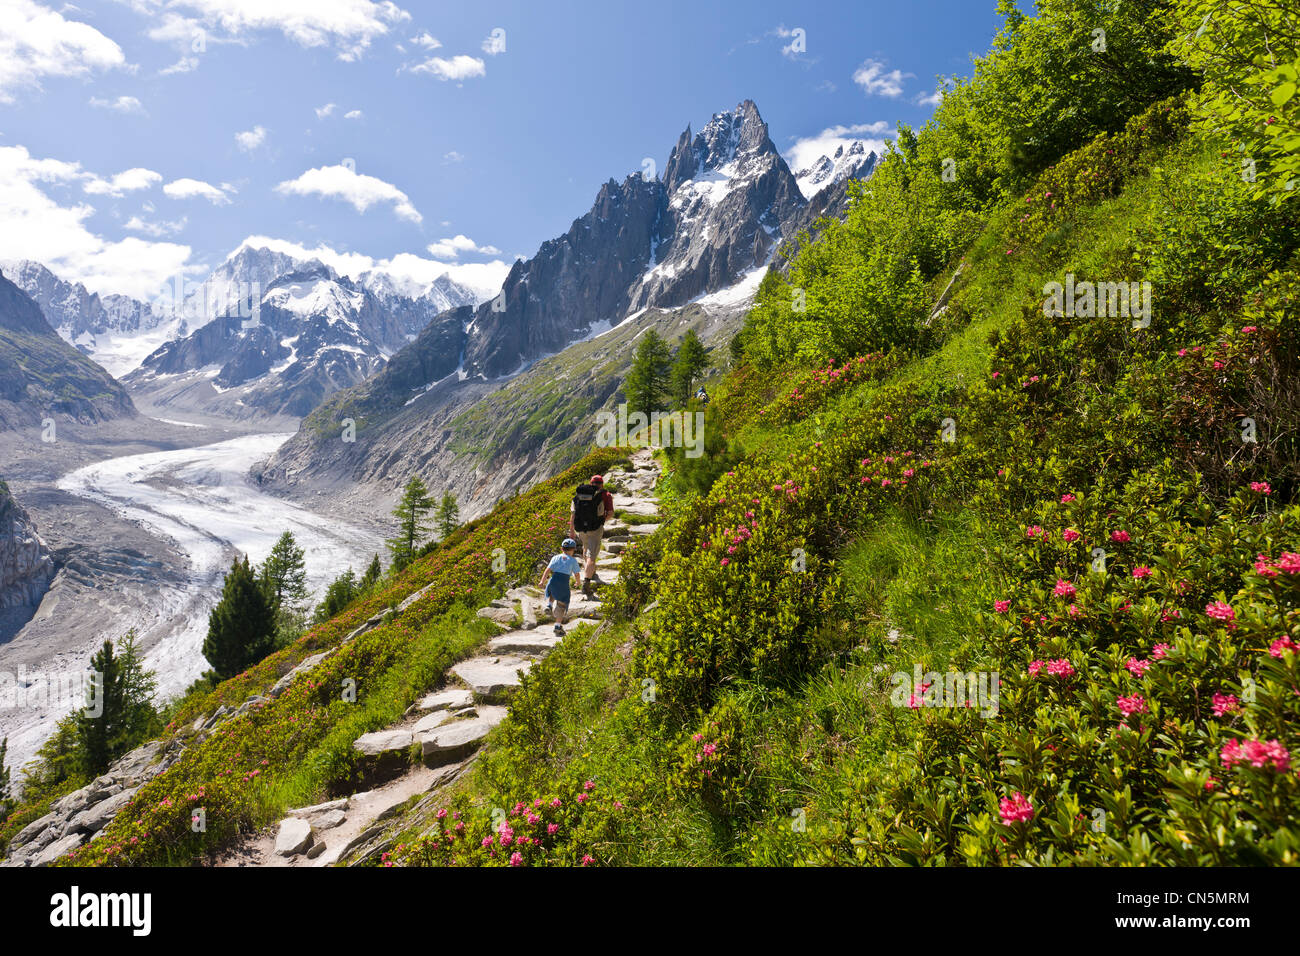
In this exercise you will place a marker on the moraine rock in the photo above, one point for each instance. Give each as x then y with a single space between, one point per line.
26 568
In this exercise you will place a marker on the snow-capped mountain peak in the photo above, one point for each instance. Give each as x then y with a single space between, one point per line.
855 162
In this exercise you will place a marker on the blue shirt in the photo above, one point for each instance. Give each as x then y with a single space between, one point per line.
564 564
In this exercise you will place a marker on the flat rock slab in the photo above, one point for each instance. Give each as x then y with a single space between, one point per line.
430 721
57 849
294 837
460 738
95 818
491 678
644 528
382 742
502 615
454 698
329 819
533 643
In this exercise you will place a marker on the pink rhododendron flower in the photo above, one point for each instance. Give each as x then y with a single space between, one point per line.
551 828
1137 668
1015 809
1033 531
1119 536
1063 588
1002 606
1220 611
1035 667
516 859
1262 487
1258 753
1263 567
1289 563
1066 498
1133 704
1283 643
587 858
1060 668
1141 571
1075 611
1069 534
1225 704
1160 650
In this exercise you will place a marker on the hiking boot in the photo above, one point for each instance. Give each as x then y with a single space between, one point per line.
559 631
586 590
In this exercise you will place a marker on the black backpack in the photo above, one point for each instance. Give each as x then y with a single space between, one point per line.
588 503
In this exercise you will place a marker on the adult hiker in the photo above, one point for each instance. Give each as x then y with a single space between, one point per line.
592 505
702 396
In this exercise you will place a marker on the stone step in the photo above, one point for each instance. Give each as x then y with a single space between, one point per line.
608 561
501 615
382 742
492 678
453 741
453 698
536 643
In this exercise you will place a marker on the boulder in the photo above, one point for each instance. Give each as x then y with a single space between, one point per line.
295 836
429 722
28 833
329 819
502 615
57 849
95 818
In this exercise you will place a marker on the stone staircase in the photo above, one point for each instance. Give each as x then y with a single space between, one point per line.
450 725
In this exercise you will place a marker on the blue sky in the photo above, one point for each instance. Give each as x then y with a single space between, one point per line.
139 138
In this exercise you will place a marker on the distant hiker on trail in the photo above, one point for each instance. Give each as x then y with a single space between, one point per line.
702 395
557 591
592 504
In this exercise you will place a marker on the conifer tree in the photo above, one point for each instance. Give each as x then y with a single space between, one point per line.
410 514
690 362
241 628
119 712
284 578
647 383
448 517
373 573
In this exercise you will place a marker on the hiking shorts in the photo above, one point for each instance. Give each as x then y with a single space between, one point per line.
591 541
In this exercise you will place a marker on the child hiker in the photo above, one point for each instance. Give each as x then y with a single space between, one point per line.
560 568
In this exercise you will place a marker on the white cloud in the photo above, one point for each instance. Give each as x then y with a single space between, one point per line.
185 64
453 247
348 26
123 104
875 80
251 139
342 182
196 189
128 181
37 227
452 157
156 229
426 40
352 114
799 37
494 43
36 42
459 67
324 111
808 150
484 278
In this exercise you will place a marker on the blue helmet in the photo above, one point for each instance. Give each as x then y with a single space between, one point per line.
568 543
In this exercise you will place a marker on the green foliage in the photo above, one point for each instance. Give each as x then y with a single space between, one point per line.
283 575
374 571
119 711
647 384
1248 55
448 516
341 592
6 801
690 362
410 513
241 628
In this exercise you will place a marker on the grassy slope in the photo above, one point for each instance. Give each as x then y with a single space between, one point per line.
802 765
